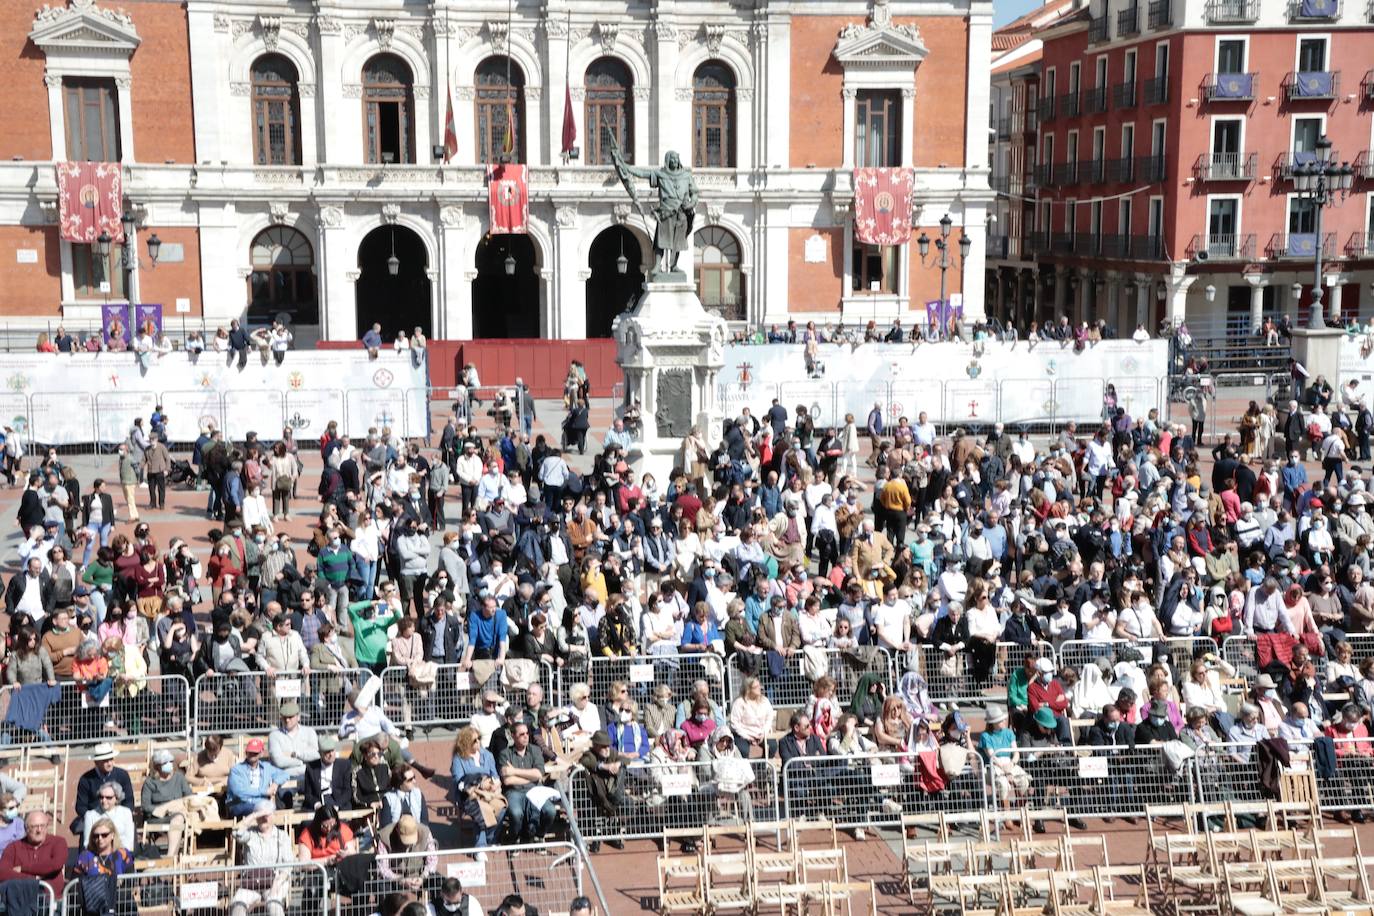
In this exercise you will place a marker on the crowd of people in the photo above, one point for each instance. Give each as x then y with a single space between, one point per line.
758 561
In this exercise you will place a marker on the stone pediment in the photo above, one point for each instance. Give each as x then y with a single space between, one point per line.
81 25
880 42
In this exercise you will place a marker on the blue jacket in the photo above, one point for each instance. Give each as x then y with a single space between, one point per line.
694 635
629 738
241 787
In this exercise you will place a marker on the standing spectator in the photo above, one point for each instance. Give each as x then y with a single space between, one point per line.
238 343
372 340
157 461
128 481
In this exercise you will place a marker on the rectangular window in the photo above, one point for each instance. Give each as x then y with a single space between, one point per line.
1127 141
873 269
1162 59
1306 133
92 115
88 272
1129 66
1075 69
1302 216
1071 218
1123 217
1222 224
1101 73
878 128
1311 55
1231 55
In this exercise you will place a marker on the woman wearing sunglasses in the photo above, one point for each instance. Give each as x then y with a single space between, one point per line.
98 868
111 806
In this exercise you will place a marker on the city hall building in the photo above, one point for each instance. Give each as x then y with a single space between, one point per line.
290 158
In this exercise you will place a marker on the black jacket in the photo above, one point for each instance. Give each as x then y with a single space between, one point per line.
14 592
88 787
453 631
30 510
107 515
341 785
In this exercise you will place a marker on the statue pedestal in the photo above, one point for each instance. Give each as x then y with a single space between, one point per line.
670 349
1319 351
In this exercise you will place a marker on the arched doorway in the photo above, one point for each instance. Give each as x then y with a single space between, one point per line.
610 292
395 301
505 292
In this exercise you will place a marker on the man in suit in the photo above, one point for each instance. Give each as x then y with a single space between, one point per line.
31 506
30 591
778 629
328 780
441 631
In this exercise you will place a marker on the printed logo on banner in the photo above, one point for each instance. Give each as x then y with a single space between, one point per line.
675 784
296 381
1092 767
17 382
383 378
298 422
745 376
207 420
469 874
200 895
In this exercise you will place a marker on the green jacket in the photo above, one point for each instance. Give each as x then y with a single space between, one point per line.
369 633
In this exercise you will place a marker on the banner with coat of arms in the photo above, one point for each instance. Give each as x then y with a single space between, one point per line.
90 198
508 199
882 205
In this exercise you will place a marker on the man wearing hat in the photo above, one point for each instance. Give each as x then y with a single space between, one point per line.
606 778
291 747
1157 727
328 779
103 770
398 862
255 784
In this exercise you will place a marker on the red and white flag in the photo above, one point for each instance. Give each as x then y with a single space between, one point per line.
569 125
508 199
882 205
450 131
90 200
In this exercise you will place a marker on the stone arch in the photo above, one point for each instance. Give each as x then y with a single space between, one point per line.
404 47
696 54
289 45
466 58
625 51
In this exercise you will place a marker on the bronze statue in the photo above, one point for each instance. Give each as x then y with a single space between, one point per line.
677 202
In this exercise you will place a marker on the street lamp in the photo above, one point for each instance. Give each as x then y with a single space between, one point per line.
1210 292
510 265
622 263
393 263
943 257
154 247
103 243
1323 182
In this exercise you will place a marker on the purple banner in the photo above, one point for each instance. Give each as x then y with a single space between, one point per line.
146 313
1318 9
114 322
1234 86
938 317
1315 84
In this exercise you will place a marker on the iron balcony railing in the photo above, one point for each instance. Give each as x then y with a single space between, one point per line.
1123 94
1301 85
1151 168
1228 87
998 246
1361 245
1004 128
1161 14
1094 171
1046 111
1097 29
1364 164
1157 90
1224 246
1367 84
1121 170
1300 245
1066 173
1070 105
1095 100
1218 11
1226 167
1289 162
1128 22
1000 183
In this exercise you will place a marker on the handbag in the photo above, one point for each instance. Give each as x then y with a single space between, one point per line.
423 674
519 673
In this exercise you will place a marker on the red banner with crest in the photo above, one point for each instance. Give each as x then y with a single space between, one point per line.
508 199
882 205
90 200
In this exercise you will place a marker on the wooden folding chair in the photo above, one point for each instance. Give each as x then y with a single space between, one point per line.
729 896
983 895
1030 892
831 895
1134 902
673 897
1295 884
938 860
1250 889
1189 868
1343 884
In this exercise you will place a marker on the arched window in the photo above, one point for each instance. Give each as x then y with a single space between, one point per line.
283 278
276 112
609 111
720 282
713 116
388 110
500 108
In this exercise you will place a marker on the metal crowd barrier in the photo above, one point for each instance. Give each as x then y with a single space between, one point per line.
455 696
865 790
159 708
1240 652
1100 781
952 679
796 686
1077 653
227 704
649 798
547 876
295 887
1230 771
643 672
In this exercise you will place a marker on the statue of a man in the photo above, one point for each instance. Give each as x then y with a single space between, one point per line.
677 202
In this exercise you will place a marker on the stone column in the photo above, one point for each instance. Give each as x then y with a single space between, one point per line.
1179 284
1334 285
332 141
569 299
1144 289
338 297
1257 285
455 256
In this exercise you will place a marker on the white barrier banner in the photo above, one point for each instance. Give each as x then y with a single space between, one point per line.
1010 382
81 397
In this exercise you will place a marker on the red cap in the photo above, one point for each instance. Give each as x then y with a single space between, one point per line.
1316 504
254 746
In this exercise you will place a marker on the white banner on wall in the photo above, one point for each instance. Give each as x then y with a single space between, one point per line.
951 382
66 399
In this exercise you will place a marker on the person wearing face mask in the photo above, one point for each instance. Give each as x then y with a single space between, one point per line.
1156 728
628 737
1265 696
1046 691
11 824
162 794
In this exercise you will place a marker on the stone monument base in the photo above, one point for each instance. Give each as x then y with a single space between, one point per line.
1319 350
670 349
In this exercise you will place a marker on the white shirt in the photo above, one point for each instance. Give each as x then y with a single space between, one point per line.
1097 624
1140 622
888 620
32 601
984 623
1099 457
924 433
815 629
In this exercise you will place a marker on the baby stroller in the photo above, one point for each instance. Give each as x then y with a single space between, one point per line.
181 472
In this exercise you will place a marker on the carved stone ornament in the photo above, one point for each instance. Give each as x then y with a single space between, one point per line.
420 92
621 213
442 27
534 93
328 25
52 80
331 217
240 88
417 32
452 217
744 94
124 83
642 93
307 90
714 33
579 93
353 90
280 211
498 33
879 42
50 209
391 213
386 31
714 212
221 22
79 8
566 217
662 31
606 33
298 27
352 30
353 275
270 26
465 93
240 27
685 93
555 26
